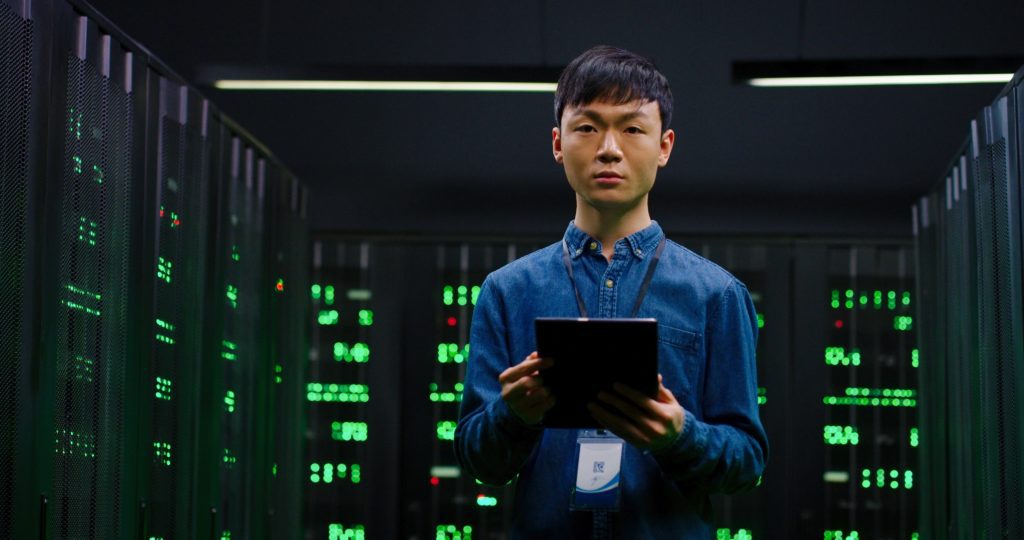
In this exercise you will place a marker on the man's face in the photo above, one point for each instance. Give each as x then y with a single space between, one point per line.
612 153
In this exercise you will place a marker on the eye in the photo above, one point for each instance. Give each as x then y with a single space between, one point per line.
585 128
634 130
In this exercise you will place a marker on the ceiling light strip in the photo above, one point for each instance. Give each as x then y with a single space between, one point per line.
883 80
385 86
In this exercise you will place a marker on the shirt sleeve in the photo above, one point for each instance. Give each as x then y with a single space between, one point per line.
726 450
491 442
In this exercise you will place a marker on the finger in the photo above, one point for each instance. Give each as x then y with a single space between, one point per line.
531 364
631 393
616 424
665 395
630 409
518 389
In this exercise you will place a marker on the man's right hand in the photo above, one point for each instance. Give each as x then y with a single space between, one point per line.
522 388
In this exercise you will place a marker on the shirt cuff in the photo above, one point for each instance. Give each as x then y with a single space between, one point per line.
510 423
690 443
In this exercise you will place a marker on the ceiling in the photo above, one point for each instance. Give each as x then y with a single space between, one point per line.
750 161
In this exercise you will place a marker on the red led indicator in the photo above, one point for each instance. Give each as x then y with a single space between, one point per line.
434 480
452 321
839 323
280 285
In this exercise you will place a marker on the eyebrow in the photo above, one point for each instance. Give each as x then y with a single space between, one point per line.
593 115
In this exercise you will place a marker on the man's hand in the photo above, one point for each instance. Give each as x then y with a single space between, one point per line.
648 424
523 389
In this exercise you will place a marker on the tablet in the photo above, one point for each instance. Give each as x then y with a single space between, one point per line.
591 355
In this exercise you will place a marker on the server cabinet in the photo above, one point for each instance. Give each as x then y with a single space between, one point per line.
24 66
90 322
968 231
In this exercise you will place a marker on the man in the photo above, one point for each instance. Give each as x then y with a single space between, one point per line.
701 434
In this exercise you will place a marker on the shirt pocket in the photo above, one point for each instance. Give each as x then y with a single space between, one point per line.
681 361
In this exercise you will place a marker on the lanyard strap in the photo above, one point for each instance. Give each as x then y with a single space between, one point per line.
643 286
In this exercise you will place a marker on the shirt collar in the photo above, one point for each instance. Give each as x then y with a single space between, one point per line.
640 243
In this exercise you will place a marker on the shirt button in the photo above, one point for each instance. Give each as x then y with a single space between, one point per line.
639 252
593 245
609 284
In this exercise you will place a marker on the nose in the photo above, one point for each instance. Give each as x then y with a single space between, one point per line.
609 152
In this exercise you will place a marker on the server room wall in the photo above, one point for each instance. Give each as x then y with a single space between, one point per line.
969 248
155 263
837 363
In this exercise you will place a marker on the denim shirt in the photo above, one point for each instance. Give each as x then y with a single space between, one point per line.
707 331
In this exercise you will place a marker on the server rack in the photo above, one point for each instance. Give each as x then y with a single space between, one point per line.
969 246
423 296
111 168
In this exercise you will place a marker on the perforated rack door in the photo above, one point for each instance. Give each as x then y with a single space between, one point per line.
16 103
92 282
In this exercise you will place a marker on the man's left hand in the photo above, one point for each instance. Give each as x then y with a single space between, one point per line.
648 424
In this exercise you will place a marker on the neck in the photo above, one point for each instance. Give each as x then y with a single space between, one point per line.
611 225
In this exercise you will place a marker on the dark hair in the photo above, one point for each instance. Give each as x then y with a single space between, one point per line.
605 73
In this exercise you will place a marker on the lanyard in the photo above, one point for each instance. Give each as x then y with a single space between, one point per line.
643 286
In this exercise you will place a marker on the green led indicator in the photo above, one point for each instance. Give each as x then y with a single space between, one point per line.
278 369
450 353
484 500
327 317
97 174
474 294
343 393
82 369
234 253
71 443
75 124
329 295
225 535
448 295
229 350
232 295
887 478
163 389
841 435
167 327
229 401
87 231
839 535
762 395
727 534
349 431
446 397
229 459
77 164
835 356
337 531
328 472
451 532
358 353
760 320
162 453
163 269
315 291
913 437
446 430
906 299
903 323
365 317
914 358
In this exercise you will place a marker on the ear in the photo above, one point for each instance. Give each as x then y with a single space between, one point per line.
556 144
668 139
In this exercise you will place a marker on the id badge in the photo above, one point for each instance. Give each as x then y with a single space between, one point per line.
598 462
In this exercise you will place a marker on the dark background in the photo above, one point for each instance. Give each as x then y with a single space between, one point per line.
827 161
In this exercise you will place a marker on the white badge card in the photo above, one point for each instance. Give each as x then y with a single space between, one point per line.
597 474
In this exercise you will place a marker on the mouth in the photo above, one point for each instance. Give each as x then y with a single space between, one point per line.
608 178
